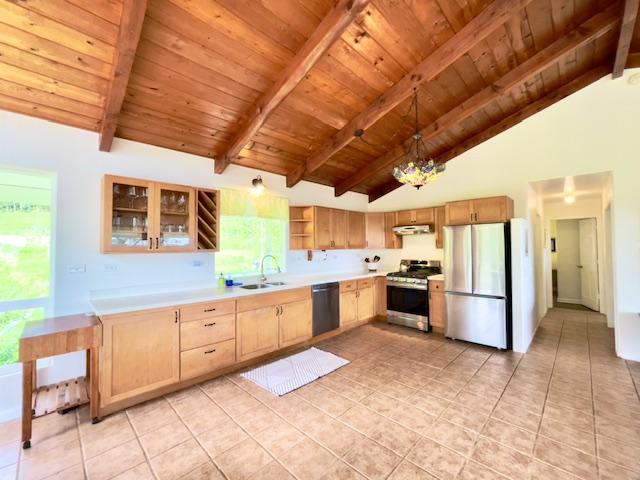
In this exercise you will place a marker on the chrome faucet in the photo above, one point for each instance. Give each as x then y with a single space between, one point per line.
263 277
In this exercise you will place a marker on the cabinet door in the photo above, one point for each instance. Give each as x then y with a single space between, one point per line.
425 216
339 228
491 210
127 214
406 217
437 311
365 303
355 230
391 240
458 213
439 224
295 323
175 218
141 352
380 292
348 307
375 234
322 228
257 332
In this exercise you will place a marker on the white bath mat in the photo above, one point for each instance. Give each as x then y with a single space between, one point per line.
287 374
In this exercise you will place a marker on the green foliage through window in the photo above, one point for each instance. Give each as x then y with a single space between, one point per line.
25 240
251 227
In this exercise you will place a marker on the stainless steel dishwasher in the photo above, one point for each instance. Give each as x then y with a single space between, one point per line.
326 307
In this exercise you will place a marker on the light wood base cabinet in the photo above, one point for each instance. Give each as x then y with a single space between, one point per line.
202 360
437 310
366 308
348 308
140 353
294 323
357 301
257 332
284 321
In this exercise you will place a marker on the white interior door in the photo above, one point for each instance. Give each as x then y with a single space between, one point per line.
588 263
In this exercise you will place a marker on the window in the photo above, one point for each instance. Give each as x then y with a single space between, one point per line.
251 227
25 244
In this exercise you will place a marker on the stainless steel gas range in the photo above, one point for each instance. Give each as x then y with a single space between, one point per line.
407 293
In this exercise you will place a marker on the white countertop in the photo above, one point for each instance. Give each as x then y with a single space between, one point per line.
439 276
123 300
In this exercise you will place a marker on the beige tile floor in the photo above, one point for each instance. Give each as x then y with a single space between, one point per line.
409 406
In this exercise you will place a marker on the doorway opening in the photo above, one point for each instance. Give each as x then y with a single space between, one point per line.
574 264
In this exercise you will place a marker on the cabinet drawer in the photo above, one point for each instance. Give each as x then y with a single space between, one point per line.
200 361
200 311
198 333
263 300
348 285
365 283
436 285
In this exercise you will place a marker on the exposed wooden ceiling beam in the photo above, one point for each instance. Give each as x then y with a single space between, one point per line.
560 93
629 18
128 36
492 17
329 30
593 28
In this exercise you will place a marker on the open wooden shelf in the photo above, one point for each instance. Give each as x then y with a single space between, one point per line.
59 397
208 214
300 228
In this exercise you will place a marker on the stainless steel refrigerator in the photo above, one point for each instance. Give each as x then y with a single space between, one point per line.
477 283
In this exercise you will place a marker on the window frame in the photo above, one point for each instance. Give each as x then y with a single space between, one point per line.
47 303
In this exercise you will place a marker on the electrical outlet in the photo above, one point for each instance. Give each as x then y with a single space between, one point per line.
76 268
110 267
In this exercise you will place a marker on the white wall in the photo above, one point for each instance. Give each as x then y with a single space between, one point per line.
568 245
593 130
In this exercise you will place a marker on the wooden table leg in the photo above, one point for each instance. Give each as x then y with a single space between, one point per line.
27 395
92 377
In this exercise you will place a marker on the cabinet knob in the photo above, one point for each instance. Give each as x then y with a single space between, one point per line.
176 316
209 324
210 309
156 243
209 351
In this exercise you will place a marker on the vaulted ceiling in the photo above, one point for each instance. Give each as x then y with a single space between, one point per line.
282 86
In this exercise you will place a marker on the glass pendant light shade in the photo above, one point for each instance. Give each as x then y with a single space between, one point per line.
417 168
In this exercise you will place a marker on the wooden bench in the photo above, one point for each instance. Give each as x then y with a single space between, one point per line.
56 336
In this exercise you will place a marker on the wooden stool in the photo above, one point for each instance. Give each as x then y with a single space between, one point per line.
55 336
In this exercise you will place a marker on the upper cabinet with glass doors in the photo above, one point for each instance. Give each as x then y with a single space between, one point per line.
143 216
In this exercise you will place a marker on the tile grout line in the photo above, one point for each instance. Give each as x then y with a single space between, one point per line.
193 437
144 452
246 431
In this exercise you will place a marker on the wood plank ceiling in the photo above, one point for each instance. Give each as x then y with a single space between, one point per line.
297 77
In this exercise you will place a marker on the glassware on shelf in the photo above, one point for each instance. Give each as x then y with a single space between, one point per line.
140 200
133 193
182 228
182 202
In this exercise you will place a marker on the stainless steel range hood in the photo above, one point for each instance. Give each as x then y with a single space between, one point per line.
412 229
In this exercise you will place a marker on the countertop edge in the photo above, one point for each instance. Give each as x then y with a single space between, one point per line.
101 308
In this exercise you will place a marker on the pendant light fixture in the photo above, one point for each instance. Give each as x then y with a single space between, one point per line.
417 167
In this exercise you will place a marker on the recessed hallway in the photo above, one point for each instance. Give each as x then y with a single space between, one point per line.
408 406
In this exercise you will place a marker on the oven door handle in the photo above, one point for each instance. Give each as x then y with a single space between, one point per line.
414 286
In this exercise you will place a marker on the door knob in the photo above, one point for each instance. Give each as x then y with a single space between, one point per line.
579 266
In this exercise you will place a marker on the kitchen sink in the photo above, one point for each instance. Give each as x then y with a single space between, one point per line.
255 286
276 284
